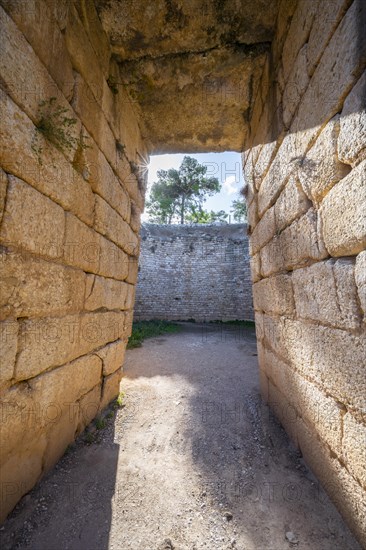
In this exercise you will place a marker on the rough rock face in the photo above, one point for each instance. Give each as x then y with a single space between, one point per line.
191 67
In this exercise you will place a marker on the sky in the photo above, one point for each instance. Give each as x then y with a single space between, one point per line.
224 166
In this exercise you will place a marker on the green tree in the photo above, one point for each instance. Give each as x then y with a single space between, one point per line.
239 210
203 216
180 193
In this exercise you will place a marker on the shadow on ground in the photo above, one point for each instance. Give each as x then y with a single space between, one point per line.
193 461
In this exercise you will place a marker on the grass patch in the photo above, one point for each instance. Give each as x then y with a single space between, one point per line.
148 329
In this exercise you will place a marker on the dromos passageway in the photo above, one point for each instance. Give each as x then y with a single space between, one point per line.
193 458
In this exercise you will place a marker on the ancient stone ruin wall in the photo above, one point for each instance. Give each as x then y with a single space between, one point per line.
70 218
305 166
194 272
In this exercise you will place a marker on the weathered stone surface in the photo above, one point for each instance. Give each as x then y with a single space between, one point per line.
333 359
53 342
82 245
284 164
296 85
31 408
354 447
105 183
9 344
93 27
35 21
343 214
343 490
291 204
335 74
327 16
305 400
326 292
360 274
3 186
89 407
48 171
59 435
105 293
352 135
263 231
274 295
32 221
109 223
110 389
31 287
320 170
298 34
82 55
255 266
20 473
26 88
297 245
112 356
114 262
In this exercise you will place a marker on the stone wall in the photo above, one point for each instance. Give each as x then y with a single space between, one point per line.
194 272
70 206
305 167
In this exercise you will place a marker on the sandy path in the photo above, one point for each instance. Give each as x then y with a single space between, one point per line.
193 461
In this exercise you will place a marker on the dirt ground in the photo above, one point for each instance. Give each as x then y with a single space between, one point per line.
193 461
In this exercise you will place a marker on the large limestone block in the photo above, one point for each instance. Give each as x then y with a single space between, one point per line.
332 358
295 86
320 170
52 342
326 292
305 400
291 204
32 221
114 262
131 294
48 171
20 473
133 269
105 293
360 274
341 487
283 410
3 186
263 231
334 75
26 88
109 223
36 21
274 295
57 391
255 267
93 27
59 436
343 214
354 447
285 163
112 356
82 55
9 342
34 407
89 407
105 183
111 388
298 245
326 19
301 241
31 287
86 249
298 33
352 135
